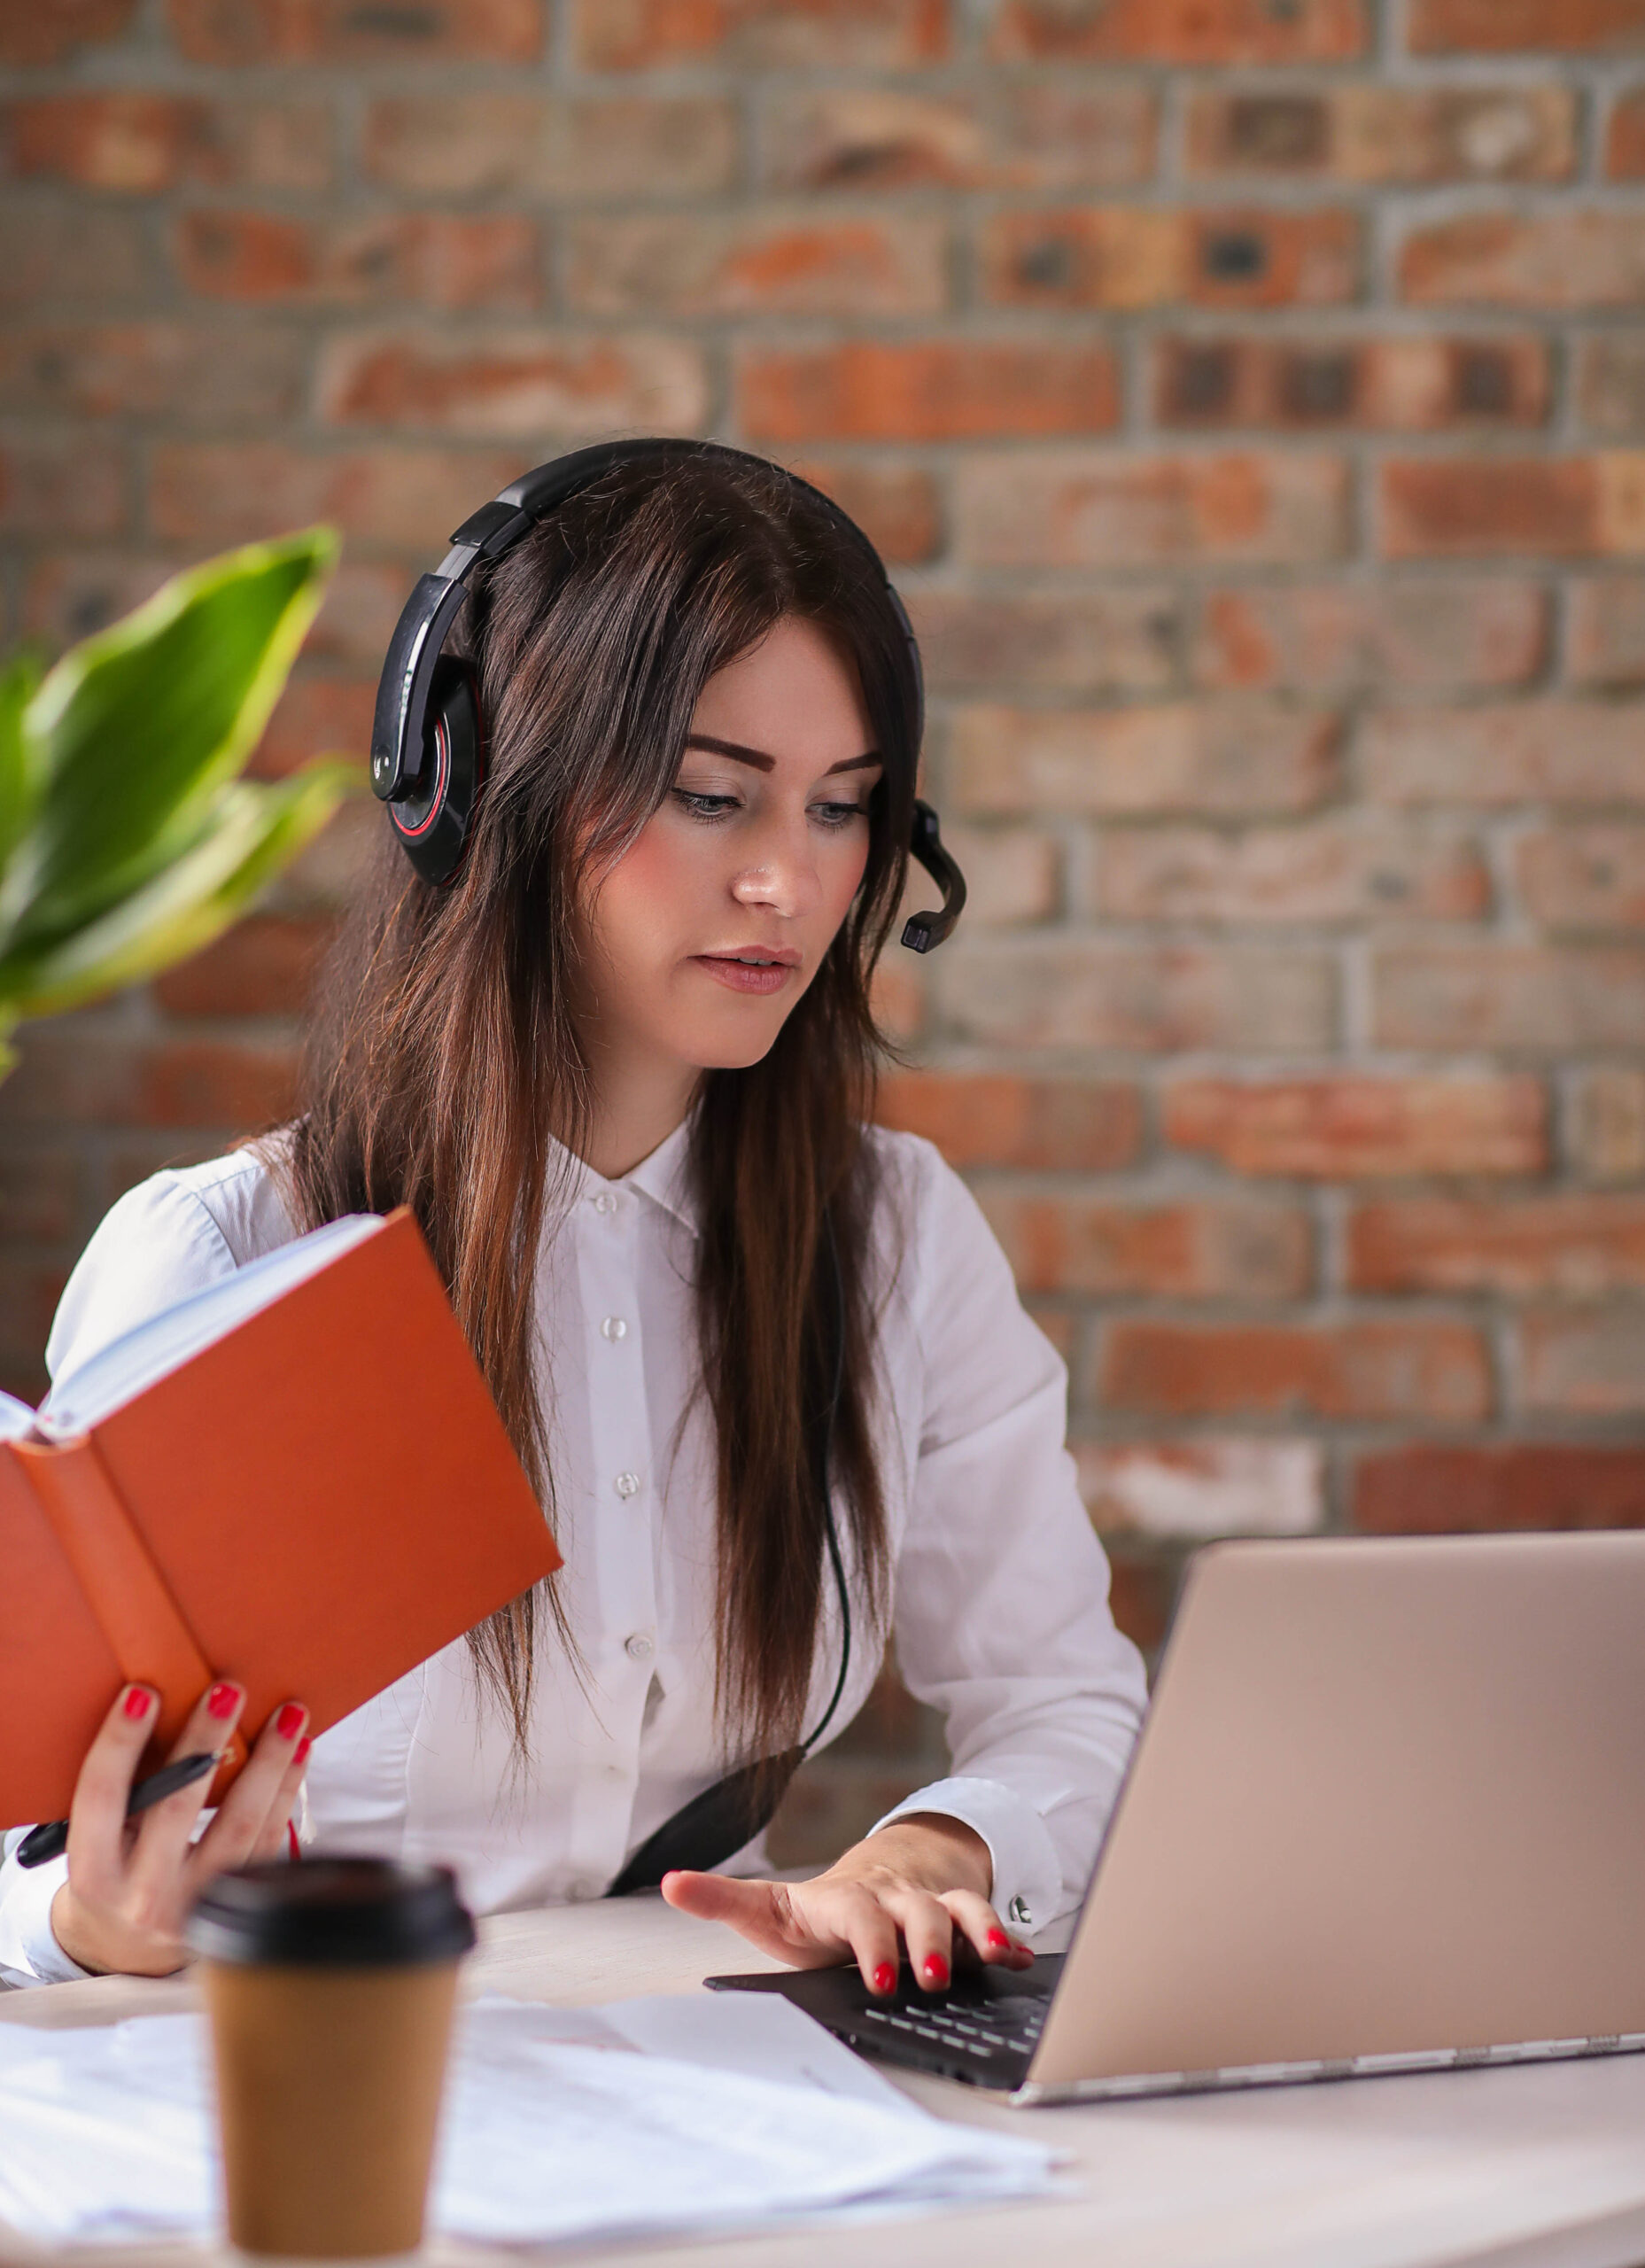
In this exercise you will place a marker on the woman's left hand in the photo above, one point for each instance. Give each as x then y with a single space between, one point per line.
918 1880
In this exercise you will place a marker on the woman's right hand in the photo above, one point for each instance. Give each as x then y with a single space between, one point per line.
131 1883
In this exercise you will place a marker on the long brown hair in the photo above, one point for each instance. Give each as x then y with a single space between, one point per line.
445 1051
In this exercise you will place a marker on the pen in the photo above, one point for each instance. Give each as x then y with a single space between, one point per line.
49 1840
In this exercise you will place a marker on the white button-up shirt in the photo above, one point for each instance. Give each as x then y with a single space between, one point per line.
1000 1610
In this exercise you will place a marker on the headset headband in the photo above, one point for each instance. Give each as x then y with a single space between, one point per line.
433 827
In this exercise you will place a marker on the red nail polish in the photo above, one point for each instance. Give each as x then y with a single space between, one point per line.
885 1978
221 1700
998 1940
138 1703
289 1723
936 1970
302 1747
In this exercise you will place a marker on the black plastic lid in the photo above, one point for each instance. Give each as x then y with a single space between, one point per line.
332 1913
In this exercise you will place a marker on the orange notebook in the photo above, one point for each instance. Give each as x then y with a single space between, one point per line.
295 1479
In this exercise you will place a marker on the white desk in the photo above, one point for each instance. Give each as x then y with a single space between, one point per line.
1537 2167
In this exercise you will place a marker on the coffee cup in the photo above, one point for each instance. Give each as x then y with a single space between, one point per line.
330 1985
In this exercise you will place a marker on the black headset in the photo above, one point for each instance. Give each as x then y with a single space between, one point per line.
428 734
428 764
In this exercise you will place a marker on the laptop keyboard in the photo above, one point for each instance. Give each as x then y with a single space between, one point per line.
1009 2026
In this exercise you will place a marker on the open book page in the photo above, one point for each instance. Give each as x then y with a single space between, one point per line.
83 1396
17 1420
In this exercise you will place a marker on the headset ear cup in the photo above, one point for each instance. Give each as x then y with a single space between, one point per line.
436 820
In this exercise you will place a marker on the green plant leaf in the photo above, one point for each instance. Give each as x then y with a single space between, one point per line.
22 759
249 833
143 724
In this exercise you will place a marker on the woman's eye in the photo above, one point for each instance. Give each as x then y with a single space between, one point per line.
703 806
839 814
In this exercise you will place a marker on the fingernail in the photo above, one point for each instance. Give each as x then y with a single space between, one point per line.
998 1942
138 1703
289 1723
222 1700
302 1747
885 1978
936 1970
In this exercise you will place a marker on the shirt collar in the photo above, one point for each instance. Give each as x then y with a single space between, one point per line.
663 1178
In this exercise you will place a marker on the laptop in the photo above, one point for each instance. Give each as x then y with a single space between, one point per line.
1387 1814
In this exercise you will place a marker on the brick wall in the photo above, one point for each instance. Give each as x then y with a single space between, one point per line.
1249 395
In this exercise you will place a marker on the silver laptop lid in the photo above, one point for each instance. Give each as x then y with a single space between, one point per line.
1389 1804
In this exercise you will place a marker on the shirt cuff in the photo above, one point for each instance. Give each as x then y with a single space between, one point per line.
1028 1878
30 1952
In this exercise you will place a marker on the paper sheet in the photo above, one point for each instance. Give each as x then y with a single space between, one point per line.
559 2125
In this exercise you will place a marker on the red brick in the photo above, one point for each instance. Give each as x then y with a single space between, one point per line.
1146 999
141 143
936 389
61 484
151 368
1569 258
79 252
1568 507
1203 1486
801 35
263 967
898 998
39 1196
1442 1490
1607 1123
1583 877
1067 509
1345 637
1142 1597
29 1293
1387 136
1350 1128
317 716
896 506
543 146
986 1118
1584 1363
1386 384
1498 26
1126 257
437 260
48 31
1611 385
1576 1246
1624 137
529 383
778 263
1232 757
1203 1250
1013 875
1328 871
72 1074
1605 632
1194 31
1510 752
1099 642
340 31
404 500
1415 1369
70 595
1552 998
1026 134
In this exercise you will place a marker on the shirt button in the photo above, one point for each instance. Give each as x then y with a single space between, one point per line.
1018 1912
604 1202
614 1327
639 1648
626 1485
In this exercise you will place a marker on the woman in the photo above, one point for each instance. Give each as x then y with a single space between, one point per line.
621 1066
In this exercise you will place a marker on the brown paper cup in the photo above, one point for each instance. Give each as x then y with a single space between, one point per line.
330 1987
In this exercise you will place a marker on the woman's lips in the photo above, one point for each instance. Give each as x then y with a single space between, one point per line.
745 975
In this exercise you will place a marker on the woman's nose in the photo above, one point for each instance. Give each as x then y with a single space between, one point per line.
782 875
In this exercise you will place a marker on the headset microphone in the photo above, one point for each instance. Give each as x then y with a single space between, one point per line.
427 734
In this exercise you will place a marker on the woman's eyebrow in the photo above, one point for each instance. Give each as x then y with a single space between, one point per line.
761 762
